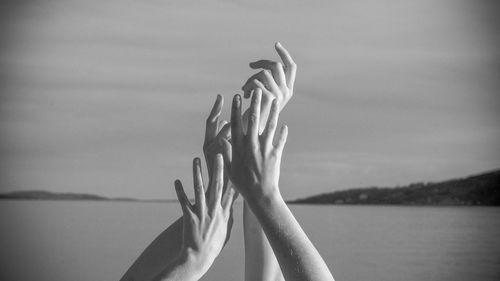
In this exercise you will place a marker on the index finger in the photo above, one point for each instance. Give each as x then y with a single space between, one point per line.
236 126
199 191
211 123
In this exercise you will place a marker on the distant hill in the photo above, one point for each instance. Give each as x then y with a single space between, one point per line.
46 195
478 190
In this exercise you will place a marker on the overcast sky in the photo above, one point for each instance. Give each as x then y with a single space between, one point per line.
110 97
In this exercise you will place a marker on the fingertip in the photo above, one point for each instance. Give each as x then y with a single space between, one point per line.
196 161
237 100
177 184
279 47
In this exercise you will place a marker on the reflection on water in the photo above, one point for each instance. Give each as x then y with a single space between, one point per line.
98 241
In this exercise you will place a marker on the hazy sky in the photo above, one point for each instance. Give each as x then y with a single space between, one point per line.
110 97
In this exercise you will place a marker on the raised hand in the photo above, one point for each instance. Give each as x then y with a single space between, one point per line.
254 167
253 160
215 130
276 80
204 225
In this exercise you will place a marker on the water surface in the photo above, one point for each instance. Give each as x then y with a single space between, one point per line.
89 241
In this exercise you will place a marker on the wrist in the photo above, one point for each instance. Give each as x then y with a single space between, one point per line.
264 199
193 263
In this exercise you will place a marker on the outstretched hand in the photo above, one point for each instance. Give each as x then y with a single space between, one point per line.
205 225
276 79
252 160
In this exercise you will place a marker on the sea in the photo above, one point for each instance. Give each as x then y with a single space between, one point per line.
94 241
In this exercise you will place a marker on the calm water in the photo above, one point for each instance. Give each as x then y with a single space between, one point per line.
93 241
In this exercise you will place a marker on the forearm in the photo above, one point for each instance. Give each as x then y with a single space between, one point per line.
260 261
163 251
185 267
297 256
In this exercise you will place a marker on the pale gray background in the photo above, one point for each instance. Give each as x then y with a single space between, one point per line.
110 97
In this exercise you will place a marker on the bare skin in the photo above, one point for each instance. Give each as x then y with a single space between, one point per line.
166 247
276 81
260 262
204 225
253 163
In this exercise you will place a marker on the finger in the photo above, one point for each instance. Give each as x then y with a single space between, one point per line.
267 97
187 209
228 199
211 122
265 78
266 94
280 145
225 131
236 127
275 67
290 66
199 192
227 153
218 182
272 122
254 116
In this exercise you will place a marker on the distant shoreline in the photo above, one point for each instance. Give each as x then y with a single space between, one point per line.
477 190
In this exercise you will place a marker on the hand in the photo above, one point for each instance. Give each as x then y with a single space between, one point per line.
205 226
253 161
276 80
214 131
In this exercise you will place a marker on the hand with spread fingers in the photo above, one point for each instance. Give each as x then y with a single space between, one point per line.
165 248
215 131
253 160
276 79
204 224
253 163
276 82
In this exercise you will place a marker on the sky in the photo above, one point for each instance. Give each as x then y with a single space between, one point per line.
110 97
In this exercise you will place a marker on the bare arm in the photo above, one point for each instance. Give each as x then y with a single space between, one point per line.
254 169
204 225
165 249
260 261
276 81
